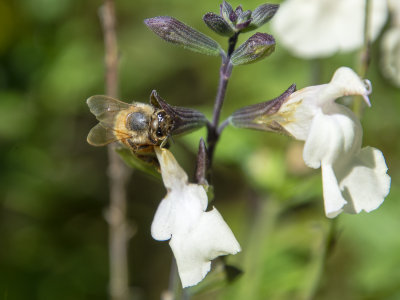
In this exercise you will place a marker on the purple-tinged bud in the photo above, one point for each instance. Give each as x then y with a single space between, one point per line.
239 10
262 15
202 164
226 11
257 47
174 31
218 24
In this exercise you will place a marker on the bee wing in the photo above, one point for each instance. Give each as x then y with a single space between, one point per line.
101 136
106 108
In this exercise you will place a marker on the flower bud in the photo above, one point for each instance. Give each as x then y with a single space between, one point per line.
218 24
227 12
257 47
202 164
263 14
174 31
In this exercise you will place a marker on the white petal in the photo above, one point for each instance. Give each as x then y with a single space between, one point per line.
298 111
193 250
319 28
345 82
364 181
390 58
189 204
394 7
332 135
179 211
172 173
333 198
161 227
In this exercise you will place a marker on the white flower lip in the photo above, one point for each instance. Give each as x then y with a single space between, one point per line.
196 236
354 178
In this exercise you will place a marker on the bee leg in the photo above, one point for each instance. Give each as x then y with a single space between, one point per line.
144 150
146 154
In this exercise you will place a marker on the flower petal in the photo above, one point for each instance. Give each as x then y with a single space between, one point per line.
193 251
364 181
390 57
345 82
319 28
172 173
161 227
335 133
333 198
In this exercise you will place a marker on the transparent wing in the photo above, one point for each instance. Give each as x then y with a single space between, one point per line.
106 108
101 136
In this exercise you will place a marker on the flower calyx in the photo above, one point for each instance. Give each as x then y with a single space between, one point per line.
262 116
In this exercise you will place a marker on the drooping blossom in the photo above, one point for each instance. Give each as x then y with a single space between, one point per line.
354 178
196 236
320 28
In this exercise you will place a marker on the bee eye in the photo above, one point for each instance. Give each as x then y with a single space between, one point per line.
136 121
159 132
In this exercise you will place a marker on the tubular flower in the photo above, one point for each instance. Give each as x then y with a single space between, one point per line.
320 28
354 179
196 236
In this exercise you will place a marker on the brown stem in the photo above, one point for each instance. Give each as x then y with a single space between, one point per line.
118 173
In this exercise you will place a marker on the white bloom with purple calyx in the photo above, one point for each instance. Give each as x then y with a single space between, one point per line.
354 179
196 236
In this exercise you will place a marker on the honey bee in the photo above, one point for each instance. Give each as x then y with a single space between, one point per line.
138 126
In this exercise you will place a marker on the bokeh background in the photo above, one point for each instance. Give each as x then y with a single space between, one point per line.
54 188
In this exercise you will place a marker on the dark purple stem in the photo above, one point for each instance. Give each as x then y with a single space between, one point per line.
224 75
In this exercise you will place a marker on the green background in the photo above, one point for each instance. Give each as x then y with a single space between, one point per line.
54 188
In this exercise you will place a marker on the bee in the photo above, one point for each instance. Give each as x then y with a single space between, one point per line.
138 126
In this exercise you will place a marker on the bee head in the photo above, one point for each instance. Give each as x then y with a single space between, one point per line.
160 126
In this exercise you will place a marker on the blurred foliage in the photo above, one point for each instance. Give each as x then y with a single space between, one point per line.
53 185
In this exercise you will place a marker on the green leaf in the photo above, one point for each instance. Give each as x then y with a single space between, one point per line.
136 163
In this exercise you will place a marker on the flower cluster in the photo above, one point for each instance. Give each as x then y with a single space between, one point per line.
230 21
354 179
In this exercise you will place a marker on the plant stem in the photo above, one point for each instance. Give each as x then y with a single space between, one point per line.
225 72
213 135
118 173
321 254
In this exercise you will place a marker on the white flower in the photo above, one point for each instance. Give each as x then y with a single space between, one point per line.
390 58
354 179
196 236
320 28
